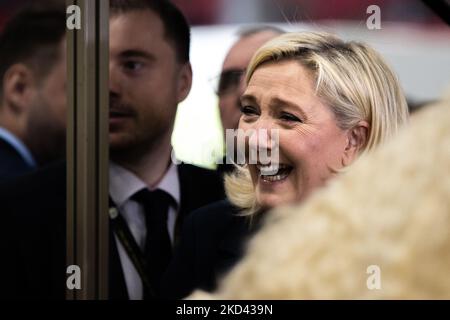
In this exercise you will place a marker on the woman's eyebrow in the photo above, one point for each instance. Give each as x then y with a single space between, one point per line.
248 97
277 101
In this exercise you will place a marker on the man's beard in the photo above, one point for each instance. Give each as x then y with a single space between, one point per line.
141 141
116 106
141 133
45 138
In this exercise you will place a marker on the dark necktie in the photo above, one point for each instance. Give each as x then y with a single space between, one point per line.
158 247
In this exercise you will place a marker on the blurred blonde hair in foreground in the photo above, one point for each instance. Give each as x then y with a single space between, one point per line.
391 210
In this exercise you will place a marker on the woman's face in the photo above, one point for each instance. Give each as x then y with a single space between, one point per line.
281 96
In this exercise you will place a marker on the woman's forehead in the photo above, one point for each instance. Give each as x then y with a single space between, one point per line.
283 77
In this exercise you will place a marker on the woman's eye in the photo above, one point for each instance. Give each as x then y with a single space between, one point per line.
289 117
247 110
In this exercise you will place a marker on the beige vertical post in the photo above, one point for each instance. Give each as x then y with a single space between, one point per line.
87 149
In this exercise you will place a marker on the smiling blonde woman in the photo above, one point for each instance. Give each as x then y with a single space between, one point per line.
329 101
345 101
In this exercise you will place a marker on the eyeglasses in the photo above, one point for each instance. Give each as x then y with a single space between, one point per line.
228 80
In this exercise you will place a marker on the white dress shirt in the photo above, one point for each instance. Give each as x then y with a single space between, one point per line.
123 184
19 146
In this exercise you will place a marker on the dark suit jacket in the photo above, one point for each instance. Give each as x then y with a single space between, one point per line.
33 237
212 242
11 162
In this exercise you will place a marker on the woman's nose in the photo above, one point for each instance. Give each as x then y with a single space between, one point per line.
264 122
262 134
262 126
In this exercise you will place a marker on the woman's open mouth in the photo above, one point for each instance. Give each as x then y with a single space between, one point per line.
274 172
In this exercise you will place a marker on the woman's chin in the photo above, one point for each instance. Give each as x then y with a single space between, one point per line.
271 200
270 194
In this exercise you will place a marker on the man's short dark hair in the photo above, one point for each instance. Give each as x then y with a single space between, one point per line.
252 30
176 27
33 37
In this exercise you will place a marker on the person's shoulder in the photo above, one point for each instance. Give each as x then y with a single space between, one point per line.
12 164
199 186
38 191
222 207
199 173
33 207
215 216
38 180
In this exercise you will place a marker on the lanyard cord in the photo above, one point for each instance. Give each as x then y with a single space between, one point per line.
131 247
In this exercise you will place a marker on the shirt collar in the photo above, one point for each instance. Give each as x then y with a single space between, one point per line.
123 184
19 146
170 183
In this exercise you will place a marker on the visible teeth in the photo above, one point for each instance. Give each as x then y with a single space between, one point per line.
277 177
271 169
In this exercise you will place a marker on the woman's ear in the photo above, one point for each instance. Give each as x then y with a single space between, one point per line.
18 83
184 82
356 141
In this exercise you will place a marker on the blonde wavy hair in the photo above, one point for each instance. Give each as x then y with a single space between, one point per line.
350 77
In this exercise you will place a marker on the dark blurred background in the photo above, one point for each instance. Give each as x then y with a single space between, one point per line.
206 12
210 12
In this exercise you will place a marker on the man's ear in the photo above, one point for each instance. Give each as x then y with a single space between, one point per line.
18 87
356 141
184 82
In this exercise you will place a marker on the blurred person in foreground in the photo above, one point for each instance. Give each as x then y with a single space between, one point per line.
327 102
32 89
381 231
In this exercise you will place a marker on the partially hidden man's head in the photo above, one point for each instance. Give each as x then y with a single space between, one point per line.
150 73
33 77
231 80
